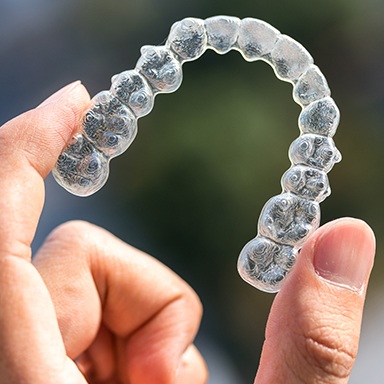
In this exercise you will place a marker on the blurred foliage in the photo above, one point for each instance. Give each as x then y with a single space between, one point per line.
209 156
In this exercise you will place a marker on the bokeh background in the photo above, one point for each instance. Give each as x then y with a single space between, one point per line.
191 187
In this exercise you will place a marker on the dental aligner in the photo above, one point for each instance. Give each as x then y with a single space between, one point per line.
109 127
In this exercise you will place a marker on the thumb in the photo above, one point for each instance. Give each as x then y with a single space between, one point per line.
29 147
37 137
314 326
31 346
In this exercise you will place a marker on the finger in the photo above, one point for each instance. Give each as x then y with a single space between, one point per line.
31 347
29 147
95 277
314 326
192 368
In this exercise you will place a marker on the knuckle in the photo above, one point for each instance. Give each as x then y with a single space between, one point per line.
187 295
186 307
331 352
195 302
76 234
186 298
74 230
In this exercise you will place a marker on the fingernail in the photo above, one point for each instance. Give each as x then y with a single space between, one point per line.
344 254
60 93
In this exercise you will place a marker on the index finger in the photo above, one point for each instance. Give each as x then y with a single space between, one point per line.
29 147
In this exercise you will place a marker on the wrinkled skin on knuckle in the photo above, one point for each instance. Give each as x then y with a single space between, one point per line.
323 341
330 352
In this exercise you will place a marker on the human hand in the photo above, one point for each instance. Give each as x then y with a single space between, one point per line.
124 317
87 297
314 325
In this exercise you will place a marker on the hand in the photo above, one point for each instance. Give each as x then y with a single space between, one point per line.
125 318
313 328
87 297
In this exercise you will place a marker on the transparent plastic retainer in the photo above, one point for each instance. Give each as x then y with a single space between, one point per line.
109 127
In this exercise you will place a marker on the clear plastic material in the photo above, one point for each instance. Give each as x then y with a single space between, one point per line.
264 263
188 39
306 182
222 33
161 69
314 151
310 87
289 59
81 168
289 219
321 117
109 126
256 39
134 91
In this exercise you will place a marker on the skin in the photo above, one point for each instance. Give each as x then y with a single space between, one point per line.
91 309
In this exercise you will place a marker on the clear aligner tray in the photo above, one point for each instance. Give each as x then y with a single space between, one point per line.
109 126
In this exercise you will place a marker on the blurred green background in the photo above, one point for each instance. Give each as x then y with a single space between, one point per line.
191 187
